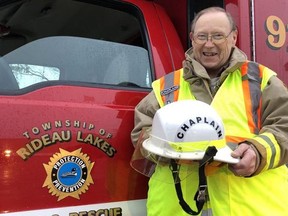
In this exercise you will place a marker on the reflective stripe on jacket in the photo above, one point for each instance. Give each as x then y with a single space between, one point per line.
238 102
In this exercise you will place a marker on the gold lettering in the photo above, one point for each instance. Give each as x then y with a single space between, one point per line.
92 213
79 136
66 135
35 130
56 137
76 124
97 142
105 146
117 211
36 144
111 151
91 126
58 124
23 153
26 134
109 135
46 126
276 32
46 139
102 212
89 139
102 132
29 147
68 123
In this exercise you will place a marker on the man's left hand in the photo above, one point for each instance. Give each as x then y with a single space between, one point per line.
248 160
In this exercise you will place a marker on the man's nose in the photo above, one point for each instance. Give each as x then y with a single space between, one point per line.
209 41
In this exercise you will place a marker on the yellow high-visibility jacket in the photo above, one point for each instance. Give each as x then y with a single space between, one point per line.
238 102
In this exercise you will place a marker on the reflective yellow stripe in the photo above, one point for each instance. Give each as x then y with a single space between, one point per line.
267 74
251 81
207 212
172 86
234 189
232 109
272 149
156 87
197 146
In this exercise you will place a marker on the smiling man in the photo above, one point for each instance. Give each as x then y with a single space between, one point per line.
253 104
213 42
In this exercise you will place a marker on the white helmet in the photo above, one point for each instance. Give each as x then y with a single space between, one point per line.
184 130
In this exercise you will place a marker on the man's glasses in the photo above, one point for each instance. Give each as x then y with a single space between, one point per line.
217 38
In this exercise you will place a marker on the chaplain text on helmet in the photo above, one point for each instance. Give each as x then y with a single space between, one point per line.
185 127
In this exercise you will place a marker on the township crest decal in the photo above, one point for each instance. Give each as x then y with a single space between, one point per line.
68 174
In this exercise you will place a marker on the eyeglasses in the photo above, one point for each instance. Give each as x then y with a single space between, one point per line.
217 38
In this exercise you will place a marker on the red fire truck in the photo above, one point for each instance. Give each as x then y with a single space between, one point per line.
71 73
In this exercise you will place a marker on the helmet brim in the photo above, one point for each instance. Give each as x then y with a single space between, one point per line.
223 154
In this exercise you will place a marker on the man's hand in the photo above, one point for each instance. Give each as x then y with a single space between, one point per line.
248 160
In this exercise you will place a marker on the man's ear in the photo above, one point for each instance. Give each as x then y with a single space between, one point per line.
235 36
191 36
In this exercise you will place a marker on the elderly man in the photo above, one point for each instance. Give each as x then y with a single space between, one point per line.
253 104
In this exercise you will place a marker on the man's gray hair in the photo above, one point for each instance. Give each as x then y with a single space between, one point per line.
213 9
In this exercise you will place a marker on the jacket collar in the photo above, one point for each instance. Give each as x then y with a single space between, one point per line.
193 68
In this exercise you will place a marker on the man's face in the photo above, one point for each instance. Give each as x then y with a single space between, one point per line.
213 55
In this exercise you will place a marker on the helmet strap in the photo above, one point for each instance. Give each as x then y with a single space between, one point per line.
200 195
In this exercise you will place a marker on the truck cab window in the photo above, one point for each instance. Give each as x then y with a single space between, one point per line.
27 24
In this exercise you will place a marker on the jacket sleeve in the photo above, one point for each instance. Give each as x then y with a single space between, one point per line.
272 141
143 117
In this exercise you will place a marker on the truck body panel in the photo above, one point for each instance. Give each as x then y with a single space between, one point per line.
71 74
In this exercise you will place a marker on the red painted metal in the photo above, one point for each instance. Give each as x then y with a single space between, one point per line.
97 115
271 39
89 115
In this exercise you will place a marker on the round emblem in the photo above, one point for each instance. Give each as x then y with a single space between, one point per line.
68 174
